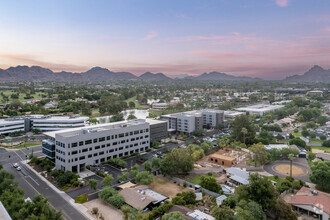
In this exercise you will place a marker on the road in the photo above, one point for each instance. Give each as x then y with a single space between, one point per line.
32 184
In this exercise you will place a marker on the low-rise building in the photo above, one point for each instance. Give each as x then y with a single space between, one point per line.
158 129
55 123
227 157
159 106
260 109
311 202
141 197
239 176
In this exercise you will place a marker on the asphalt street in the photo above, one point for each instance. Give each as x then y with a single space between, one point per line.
32 184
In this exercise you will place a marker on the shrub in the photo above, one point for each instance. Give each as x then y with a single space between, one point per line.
81 199
117 162
184 184
95 211
116 200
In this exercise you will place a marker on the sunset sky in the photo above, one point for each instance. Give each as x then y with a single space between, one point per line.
269 39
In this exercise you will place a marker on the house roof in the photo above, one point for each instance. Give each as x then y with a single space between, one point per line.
305 196
141 196
240 179
222 157
238 172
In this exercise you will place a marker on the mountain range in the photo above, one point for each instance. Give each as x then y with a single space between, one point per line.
37 73
315 74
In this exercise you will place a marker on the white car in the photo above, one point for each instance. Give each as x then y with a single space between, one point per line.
18 168
15 165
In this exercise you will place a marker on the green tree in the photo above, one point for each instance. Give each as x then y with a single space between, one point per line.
249 210
131 117
178 160
93 184
173 216
144 178
244 131
321 175
243 121
107 180
155 162
323 137
116 200
147 166
258 154
298 142
321 120
209 182
326 143
260 190
223 213
131 104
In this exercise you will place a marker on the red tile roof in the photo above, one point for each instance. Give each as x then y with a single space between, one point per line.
305 197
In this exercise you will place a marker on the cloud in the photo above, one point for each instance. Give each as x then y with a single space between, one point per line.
24 59
282 3
151 35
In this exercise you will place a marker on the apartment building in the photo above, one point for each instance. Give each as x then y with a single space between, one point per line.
8 126
74 149
190 121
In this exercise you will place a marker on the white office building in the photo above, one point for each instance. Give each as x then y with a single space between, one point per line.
190 121
260 109
55 123
8 126
74 149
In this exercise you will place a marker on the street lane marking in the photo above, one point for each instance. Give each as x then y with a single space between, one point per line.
18 155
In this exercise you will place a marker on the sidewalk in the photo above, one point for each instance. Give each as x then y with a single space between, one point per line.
79 207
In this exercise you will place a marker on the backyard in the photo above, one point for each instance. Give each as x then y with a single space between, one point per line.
166 187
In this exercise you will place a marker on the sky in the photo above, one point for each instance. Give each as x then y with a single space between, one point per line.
270 39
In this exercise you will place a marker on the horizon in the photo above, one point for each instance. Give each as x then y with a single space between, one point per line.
268 40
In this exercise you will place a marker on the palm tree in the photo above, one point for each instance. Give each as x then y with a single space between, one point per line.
244 132
291 157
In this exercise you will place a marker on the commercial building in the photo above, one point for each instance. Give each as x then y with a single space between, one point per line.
190 121
55 123
227 157
41 122
312 203
158 129
260 109
8 126
232 114
159 106
74 149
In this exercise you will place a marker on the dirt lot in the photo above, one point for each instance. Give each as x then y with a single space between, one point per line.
166 187
107 211
285 169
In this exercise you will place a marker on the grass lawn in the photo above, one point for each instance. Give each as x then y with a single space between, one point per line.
22 95
326 149
298 134
133 99
195 180
95 113
316 141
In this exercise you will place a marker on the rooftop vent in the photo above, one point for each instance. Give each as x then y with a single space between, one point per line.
87 131
314 192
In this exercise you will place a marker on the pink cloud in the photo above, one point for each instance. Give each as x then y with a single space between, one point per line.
151 35
282 3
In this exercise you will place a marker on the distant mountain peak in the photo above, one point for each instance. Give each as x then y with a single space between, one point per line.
314 74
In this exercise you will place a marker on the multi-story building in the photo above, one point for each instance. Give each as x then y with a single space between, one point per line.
55 123
41 122
8 126
158 129
74 149
190 121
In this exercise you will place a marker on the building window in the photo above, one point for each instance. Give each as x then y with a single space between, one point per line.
108 137
81 143
74 144
97 147
95 140
88 142
90 155
101 139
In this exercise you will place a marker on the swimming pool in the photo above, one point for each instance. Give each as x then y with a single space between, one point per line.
226 190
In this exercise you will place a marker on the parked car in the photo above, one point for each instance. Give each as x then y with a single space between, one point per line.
18 168
15 165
